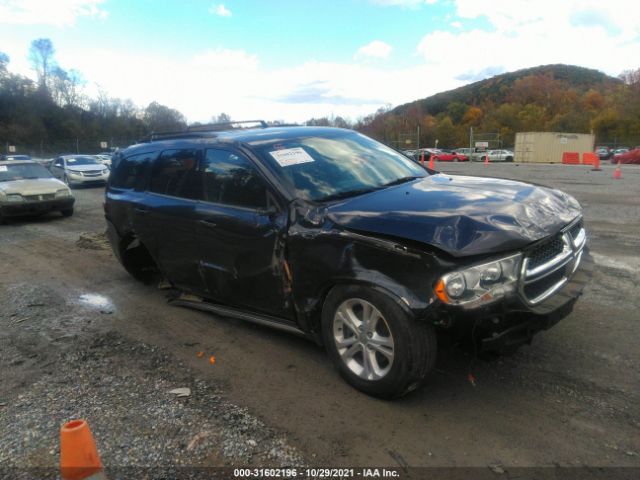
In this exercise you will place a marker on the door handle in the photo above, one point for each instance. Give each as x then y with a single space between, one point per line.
141 211
208 223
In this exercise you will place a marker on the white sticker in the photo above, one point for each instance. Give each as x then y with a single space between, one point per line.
291 156
3 168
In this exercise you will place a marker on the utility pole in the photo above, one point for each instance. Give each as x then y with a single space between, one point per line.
470 137
418 139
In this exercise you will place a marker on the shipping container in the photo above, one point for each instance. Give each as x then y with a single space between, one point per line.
548 147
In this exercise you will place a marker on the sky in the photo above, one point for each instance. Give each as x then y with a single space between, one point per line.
291 60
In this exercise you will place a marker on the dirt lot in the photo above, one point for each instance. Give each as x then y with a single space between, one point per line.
80 338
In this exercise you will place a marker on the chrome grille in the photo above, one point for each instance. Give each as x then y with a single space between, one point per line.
38 198
92 173
548 266
545 252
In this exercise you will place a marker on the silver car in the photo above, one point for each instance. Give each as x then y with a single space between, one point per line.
496 156
79 170
27 188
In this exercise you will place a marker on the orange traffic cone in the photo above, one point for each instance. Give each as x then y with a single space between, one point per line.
79 457
486 160
422 158
596 164
617 173
431 162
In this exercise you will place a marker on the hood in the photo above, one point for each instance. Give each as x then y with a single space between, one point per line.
84 168
460 215
36 186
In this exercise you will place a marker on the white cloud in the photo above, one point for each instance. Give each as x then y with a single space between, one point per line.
374 49
235 82
456 24
49 12
219 10
403 3
526 33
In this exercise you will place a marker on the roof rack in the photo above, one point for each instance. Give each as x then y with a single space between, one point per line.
198 131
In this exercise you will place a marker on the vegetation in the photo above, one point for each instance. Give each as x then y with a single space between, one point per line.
556 98
54 115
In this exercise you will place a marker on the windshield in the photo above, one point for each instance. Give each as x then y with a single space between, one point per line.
337 165
73 161
23 171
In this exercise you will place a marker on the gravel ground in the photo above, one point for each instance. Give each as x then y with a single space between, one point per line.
80 338
123 389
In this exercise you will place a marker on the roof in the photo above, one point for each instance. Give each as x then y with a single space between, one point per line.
248 136
18 162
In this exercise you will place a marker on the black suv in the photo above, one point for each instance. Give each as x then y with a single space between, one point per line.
329 234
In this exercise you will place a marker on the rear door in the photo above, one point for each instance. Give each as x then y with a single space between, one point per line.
166 218
240 233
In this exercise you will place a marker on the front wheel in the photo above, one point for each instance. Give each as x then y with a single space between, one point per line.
376 346
67 212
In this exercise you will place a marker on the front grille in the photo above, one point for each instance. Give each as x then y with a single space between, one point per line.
539 287
548 266
92 173
545 252
38 198
575 229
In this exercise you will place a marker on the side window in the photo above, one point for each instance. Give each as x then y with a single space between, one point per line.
176 173
58 162
232 180
130 171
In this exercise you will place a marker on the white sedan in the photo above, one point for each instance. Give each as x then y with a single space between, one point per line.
495 156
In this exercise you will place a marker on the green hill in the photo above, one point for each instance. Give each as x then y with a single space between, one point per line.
499 88
545 98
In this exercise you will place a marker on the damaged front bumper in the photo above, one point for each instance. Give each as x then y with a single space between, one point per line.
514 320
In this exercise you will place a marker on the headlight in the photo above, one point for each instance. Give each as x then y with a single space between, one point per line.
63 192
480 284
14 197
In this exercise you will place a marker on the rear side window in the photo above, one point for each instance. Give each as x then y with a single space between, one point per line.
176 173
130 171
231 179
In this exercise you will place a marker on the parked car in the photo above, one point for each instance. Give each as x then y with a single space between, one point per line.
27 188
632 156
11 156
603 153
104 159
442 156
464 151
328 234
79 170
496 156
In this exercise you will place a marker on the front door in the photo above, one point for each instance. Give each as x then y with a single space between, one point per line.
240 236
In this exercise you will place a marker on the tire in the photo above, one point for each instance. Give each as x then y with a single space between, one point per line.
409 346
67 212
509 159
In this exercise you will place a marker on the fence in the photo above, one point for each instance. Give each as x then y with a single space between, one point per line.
60 147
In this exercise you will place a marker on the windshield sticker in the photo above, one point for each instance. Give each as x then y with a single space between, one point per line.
3 168
291 156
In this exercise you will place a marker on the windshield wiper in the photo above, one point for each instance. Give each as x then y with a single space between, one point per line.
348 193
400 180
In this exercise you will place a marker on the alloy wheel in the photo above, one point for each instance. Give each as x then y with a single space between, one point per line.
363 339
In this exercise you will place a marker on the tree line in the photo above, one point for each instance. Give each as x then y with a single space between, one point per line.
46 115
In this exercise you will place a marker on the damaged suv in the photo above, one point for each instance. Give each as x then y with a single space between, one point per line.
329 234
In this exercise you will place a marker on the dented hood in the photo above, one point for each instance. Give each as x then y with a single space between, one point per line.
460 215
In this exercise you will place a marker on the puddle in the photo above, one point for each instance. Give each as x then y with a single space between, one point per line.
99 302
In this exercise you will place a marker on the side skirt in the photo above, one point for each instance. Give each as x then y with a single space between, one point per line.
225 311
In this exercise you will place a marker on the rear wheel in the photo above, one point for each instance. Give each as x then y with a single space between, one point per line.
509 159
67 212
375 345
